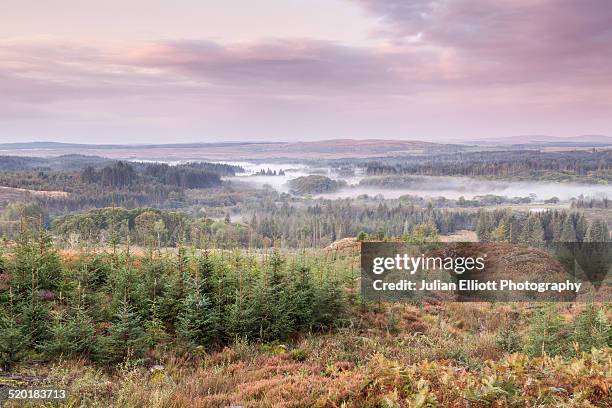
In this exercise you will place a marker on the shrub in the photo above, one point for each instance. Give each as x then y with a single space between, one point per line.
547 334
591 328
508 338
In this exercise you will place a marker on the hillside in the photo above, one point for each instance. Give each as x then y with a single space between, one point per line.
544 140
324 149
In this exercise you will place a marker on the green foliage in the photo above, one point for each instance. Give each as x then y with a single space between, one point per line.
536 228
71 335
422 233
36 266
198 320
13 341
36 322
547 334
315 184
591 328
113 307
598 232
15 211
125 340
509 339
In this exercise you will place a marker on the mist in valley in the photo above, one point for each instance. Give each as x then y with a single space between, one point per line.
424 186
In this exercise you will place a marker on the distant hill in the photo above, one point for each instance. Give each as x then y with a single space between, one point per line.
324 149
544 140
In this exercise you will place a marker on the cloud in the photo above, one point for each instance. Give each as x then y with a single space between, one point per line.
438 64
507 41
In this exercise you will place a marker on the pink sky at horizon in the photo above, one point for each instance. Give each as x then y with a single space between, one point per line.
202 71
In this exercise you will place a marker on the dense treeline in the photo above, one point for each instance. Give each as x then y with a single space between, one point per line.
122 174
536 228
585 165
476 201
329 220
149 227
64 162
275 220
110 308
119 183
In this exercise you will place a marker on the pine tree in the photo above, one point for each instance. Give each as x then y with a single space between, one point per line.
581 227
500 233
568 232
126 338
546 336
533 233
483 226
71 335
422 233
597 232
303 297
329 305
13 341
198 321
591 328
35 320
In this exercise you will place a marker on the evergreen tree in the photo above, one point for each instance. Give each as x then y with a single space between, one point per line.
422 233
483 226
126 338
154 327
500 233
13 341
198 321
70 336
568 231
591 328
581 227
533 233
546 335
35 320
598 232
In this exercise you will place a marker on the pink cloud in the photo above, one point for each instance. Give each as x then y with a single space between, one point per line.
442 63
507 40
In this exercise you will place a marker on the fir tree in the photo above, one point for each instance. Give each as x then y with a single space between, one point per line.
568 231
70 336
198 321
591 328
598 232
13 341
126 338
547 333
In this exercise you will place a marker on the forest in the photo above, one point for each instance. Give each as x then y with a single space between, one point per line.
539 227
581 166
120 183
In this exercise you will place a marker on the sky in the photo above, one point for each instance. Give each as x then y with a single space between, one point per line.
154 71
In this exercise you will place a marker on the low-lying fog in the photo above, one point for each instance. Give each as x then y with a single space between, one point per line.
424 186
455 187
279 183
